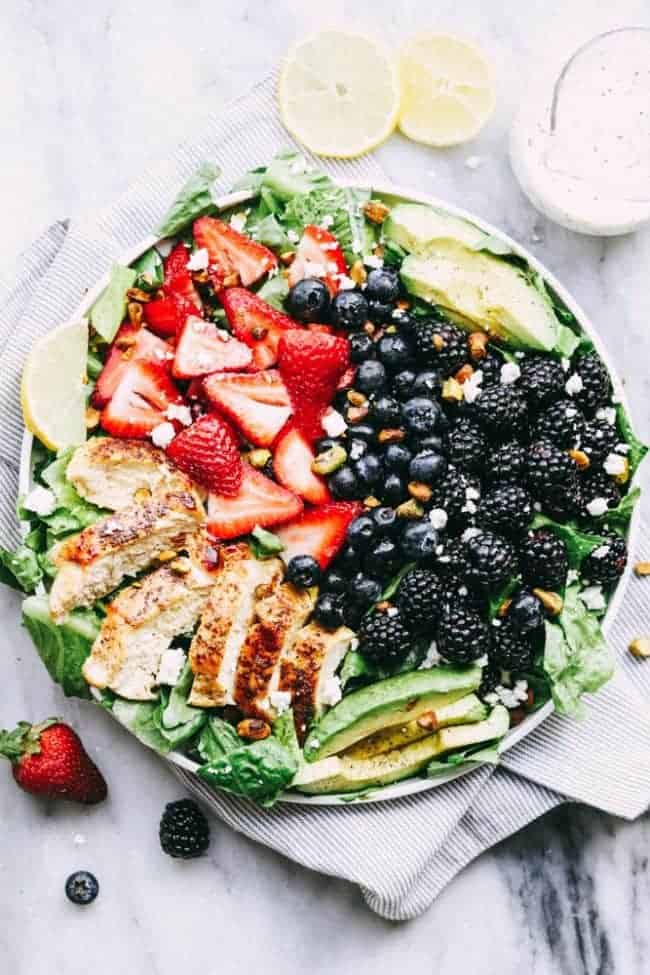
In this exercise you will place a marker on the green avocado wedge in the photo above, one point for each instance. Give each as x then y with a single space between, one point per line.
419 229
387 703
344 774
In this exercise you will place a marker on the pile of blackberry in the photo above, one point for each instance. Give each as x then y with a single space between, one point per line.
453 485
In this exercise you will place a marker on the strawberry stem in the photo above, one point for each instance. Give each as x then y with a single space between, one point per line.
25 739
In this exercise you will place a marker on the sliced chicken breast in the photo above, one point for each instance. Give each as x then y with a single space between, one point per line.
114 473
224 625
94 562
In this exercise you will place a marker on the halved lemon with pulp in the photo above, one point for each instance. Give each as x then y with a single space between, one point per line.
54 386
447 90
339 93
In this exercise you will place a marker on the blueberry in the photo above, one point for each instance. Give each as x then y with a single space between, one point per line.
394 351
434 442
349 310
368 470
371 377
309 301
349 561
361 347
403 384
363 431
421 415
427 383
362 532
356 448
397 457
82 887
335 581
382 284
326 443
393 489
303 571
330 610
419 540
428 466
386 520
380 312
364 590
525 612
343 483
385 412
382 558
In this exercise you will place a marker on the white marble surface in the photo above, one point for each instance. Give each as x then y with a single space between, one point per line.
89 93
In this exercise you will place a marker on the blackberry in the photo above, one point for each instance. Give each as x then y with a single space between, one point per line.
453 562
184 831
525 612
490 679
439 344
500 411
385 638
596 485
564 503
542 380
82 887
490 367
510 650
598 440
506 508
467 445
549 469
596 384
606 563
562 423
462 636
506 463
449 493
419 598
543 560
492 560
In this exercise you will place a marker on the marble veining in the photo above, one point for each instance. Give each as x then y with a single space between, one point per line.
90 92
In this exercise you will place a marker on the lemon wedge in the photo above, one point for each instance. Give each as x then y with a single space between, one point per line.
54 386
339 93
447 90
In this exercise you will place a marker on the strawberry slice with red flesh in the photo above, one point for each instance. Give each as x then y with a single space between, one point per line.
319 255
131 344
140 401
260 501
263 387
228 249
312 364
259 423
203 348
208 452
163 316
319 532
292 460
257 324
178 283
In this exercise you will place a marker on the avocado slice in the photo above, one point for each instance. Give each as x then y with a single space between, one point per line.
345 774
420 229
387 703
467 710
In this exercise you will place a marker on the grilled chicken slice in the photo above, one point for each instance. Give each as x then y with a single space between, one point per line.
92 563
114 473
229 612
141 623
280 616
312 661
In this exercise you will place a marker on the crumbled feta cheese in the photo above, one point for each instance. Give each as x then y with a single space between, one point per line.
622 448
482 661
470 533
608 414
181 413
315 743
537 506
438 518
371 260
238 221
473 162
171 666
614 464
600 552
313 269
398 313
593 598
597 507
469 507
354 643
327 220
432 658
496 623
472 386
199 260
41 501
292 236
510 373
492 698
566 364
393 611
573 384
463 591
345 282
332 692
280 700
163 434
333 423
79 839
570 412
511 697
572 576
472 493
440 549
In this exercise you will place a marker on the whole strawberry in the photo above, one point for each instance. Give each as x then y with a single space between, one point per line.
208 452
311 365
49 760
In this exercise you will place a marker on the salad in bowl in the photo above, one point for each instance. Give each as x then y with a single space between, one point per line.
341 498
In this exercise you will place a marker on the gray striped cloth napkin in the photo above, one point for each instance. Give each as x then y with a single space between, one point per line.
401 853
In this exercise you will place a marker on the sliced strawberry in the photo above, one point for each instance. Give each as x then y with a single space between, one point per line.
163 316
208 452
348 377
319 532
228 249
312 364
257 324
131 344
260 501
140 401
292 460
319 255
178 280
259 422
204 348
263 387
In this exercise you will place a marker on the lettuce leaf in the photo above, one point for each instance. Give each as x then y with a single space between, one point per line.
20 570
107 314
274 291
179 721
150 271
194 200
140 718
289 175
343 205
264 544
72 512
63 649
637 450
217 740
477 754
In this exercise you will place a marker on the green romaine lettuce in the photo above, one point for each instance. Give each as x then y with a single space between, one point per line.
274 291
476 755
637 450
619 517
264 544
20 569
289 175
179 721
343 205
150 271
194 200
107 314
63 649
217 740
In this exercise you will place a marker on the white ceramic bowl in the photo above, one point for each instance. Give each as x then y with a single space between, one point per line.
408 786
